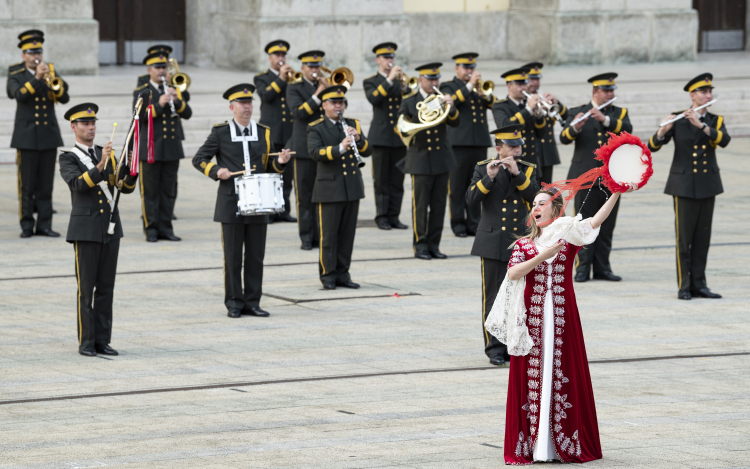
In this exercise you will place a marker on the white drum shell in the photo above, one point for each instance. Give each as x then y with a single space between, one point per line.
259 194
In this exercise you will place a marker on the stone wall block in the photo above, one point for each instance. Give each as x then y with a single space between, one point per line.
592 5
341 41
549 5
522 45
59 9
344 8
295 8
579 39
6 9
297 32
641 5
627 37
440 35
675 35
396 30
74 48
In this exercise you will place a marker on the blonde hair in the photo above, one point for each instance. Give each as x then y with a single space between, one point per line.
557 205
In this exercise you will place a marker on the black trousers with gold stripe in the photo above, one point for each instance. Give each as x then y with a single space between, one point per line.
493 273
337 226
429 194
692 220
96 267
388 182
464 218
158 184
305 170
596 255
36 175
233 237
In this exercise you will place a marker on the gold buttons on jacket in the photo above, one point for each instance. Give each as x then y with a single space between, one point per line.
36 107
505 209
344 173
429 148
282 98
437 148
705 162
599 134
503 228
599 142
165 129
695 170
505 201
704 147
695 162
503 219
428 132
343 165
354 172
36 114
695 147
515 201
101 211
515 219
428 140
100 202
705 170
515 211
695 154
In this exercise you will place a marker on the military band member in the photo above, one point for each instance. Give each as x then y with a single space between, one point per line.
338 186
517 109
92 192
548 155
20 66
274 112
694 182
158 182
504 186
240 145
429 159
303 99
162 48
36 134
589 135
384 90
469 140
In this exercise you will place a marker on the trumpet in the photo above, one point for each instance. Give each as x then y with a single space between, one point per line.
344 125
54 83
340 76
406 81
546 109
292 76
178 80
487 87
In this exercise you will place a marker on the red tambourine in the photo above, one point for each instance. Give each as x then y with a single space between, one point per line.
626 161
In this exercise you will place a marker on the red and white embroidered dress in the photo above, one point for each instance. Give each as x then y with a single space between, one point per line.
550 412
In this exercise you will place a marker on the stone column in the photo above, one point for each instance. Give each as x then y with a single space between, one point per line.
233 34
71 35
602 31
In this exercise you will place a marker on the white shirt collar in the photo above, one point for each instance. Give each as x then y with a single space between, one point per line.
155 85
423 93
242 127
385 75
275 72
305 78
84 147
703 113
518 103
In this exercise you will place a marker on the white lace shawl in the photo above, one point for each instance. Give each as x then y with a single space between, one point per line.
507 318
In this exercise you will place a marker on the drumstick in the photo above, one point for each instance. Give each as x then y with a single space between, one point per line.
277 154
241 172
112 138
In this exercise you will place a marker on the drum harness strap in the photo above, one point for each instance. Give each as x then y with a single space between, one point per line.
253 137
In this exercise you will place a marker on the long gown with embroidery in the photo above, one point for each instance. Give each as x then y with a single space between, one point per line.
550 412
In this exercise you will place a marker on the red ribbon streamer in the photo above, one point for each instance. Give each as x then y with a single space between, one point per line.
136 144
150 144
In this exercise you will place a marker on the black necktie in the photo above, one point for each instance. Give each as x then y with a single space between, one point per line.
703 118
161 89
522 104
92 154
340 125
246 132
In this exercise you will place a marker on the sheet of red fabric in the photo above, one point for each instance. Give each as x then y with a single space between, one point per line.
573 421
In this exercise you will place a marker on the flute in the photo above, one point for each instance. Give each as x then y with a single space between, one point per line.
588 113
676 118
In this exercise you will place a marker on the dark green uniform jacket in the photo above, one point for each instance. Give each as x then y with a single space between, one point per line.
338 179
168 134
430 150
89 216
230 155
505 206
506 112
472 130
547 144
306 110
385 100
274 112
694 172
36 124
592 135
13 69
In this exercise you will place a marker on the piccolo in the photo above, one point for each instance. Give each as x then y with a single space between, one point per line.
676 118
588 113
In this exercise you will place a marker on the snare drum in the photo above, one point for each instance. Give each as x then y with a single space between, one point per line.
259 194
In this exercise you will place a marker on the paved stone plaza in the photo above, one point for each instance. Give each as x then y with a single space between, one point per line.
391 375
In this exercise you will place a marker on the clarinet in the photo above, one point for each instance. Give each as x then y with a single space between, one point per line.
171 100
360 162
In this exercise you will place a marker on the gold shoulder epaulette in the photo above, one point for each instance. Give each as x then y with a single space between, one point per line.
261 73
482 163
502 100
371 76
17 71
315 122
221 123
530 165
144 75
264 126
410 94
145 85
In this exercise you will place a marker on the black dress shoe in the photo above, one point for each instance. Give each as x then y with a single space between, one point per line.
384 225
174 217
316 243
329 286
347 284
581 277
684 295
285 217
398 225
234 313
438 255
424 255
50 233
27 234
106 350
497 360
151 238
471 233
256 311
306 246
170 237
608 275
87 352
705 293
461 234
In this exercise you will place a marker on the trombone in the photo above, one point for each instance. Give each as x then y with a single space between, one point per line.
178 80
54 83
